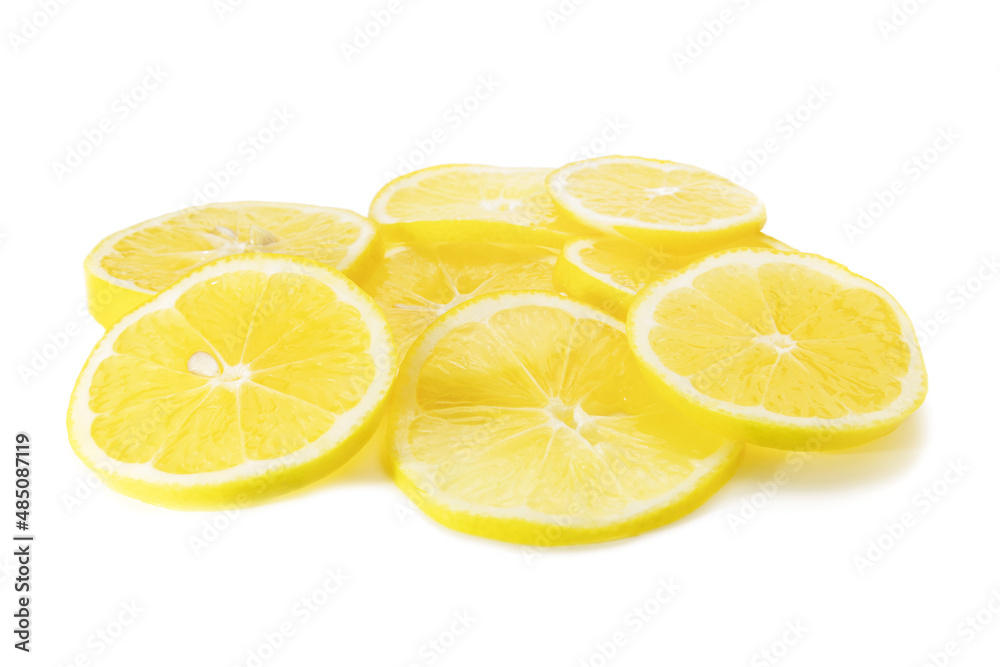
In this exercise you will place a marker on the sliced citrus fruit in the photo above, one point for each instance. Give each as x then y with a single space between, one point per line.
655 202
779 348
417 283
524 417
249 377
127 268
470 202
607 272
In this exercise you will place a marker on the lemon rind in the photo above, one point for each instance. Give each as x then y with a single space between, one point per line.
378 212
755 423
265 478
614 225
486 228
572 251
357 260
523 525
574 276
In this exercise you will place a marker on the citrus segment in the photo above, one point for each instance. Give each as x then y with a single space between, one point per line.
467 202
129 267
523 416
783 349
655 202
417 283
250 376
607 272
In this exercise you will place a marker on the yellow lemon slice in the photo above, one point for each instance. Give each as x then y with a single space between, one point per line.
607 272
524 417
469 202
127 268
249 377
417 283
781 349
656 202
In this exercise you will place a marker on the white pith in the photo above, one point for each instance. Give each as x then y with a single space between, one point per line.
365 227
418 472
558 180
380 348
641 320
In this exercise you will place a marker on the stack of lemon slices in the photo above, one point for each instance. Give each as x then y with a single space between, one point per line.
567 356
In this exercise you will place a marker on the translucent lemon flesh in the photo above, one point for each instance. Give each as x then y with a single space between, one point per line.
523 416
780 348
416 283
607 272
471 203
127 268
250 375
655 201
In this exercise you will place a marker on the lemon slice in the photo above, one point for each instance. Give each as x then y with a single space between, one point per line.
607 272
249 377
656 202
781 349
469 202
524 417
417 283
127 268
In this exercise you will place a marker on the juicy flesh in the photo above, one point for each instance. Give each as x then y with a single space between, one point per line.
784 337
651 193
516 197
513 413
629 266
415 285
245 367
158 255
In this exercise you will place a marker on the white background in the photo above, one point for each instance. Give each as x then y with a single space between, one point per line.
609 67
